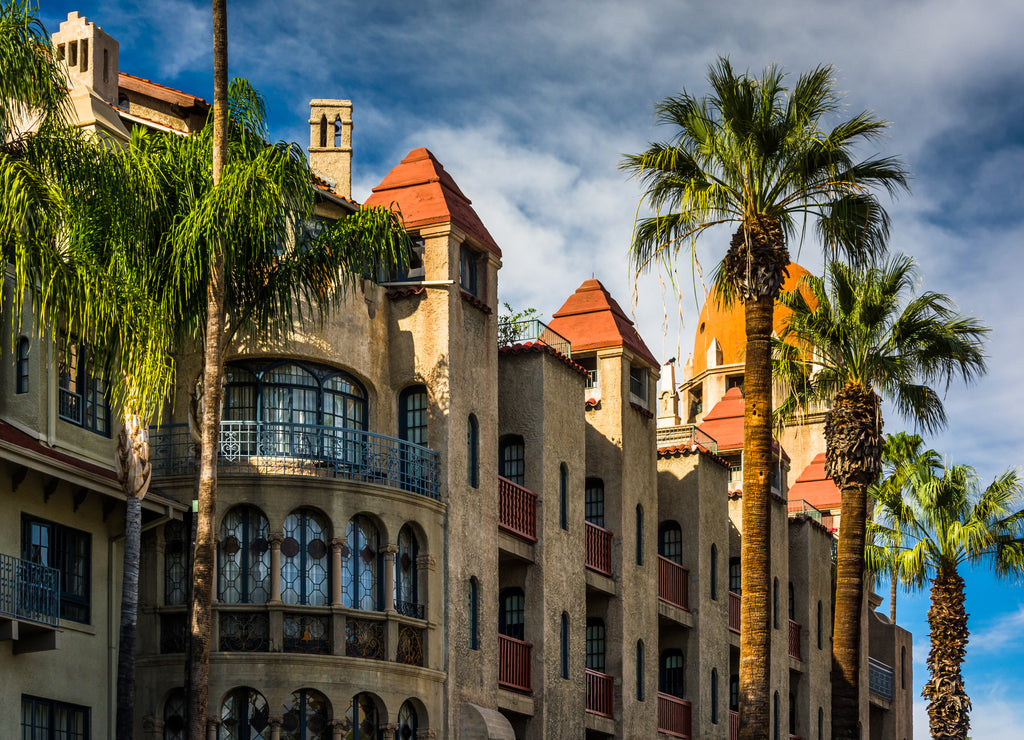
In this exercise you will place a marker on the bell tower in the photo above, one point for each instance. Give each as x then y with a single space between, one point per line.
89 55
330 143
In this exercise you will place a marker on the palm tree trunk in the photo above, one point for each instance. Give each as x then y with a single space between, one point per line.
755 561
948 704
202 592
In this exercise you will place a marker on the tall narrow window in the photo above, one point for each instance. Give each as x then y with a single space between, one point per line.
408 722
337 134
671 673
174 715
639 535
821 723
775 603
407 599
792 713
512 613
243 557
473 452
670 542
792 602
714 572
563 496
735 576
363 717
323 132
564 653
473 608
175 563
85 55
714 696
412 415
106 65
305 559
593 501
245 711
734 693
512 458
306 716
70 552
595 644
639 670
82 397
22 368
775 716
638 385
361 566
468 271
819 625
903 667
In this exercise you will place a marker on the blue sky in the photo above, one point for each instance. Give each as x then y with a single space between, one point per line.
530 106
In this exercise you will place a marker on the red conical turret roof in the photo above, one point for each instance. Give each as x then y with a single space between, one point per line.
815 487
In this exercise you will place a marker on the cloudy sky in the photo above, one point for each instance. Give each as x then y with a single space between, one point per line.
531 105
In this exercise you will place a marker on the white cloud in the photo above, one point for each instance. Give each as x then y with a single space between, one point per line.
1002 633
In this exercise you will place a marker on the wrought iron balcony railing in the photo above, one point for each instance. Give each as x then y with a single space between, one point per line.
734 612
675 716
517 510
880 679
686 434
799 507
673 583
279 448
794 640
514 664
532 330
29 591
599 693
598 549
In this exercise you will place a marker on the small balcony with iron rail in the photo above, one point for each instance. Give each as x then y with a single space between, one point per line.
794 640
29 605
598 559
674 592
517 519
881 682
734 612
675 716
514 664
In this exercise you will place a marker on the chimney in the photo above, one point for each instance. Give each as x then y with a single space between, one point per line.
330 143
89 55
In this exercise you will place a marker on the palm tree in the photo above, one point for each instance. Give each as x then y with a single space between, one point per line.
929 529
860 335
757 155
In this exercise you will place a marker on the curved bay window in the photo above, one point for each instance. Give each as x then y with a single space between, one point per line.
363 718
305 561
408 722
174 716
244 716
175 563
512 613
671 673
407 599
243 556
361 565
670 542
306 716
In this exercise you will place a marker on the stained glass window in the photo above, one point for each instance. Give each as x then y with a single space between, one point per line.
175 563
244 715
363 718
407 599
407 722
305 559
361 561
243 557
306 716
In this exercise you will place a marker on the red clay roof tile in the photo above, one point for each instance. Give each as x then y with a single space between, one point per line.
725 423
815 487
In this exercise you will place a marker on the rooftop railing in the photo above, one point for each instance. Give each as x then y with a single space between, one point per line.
532 330
29 591
880 679
686 434
279 448
800 507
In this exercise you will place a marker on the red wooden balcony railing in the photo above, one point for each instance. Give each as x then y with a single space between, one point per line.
517 510
599 693
674 716
514 664
794 640
599 549
734 725
734 612
673 583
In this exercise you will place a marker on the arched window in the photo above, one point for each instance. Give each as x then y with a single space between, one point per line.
903 667
639 535
735 576
22 368
305 559
563 496
714 572
175 563
361 564
595 644
412 415
714 696
593 502
821 723
512 458
819 626
407 593
363 718
174 716
306 716
564 652
775 603
473 452
792 602
244 715
473 607
243 567
408 722
671 673
337 134
792 713
639 670
512 613
323 132
670 542
775 716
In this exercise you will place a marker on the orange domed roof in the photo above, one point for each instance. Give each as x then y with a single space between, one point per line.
726 324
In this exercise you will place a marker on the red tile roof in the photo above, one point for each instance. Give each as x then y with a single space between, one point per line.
592 319
686 450
516 349
816 488
724 423
160 92
428 195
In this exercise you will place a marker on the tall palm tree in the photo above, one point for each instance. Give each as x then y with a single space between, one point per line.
940 521
862 335
757 155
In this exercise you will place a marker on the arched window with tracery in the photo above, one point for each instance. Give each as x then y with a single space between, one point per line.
361 565
174 716
306 716
175 563
244 557
408 722
363 718
305 559
407 594
244 715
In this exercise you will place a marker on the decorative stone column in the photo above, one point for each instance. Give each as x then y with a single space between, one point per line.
337 544
389 729
214 567
275 727
212 725
275 539
152 727
339 626
426 734
389 577
338 728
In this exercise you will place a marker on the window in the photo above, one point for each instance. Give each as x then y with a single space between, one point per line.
714 572
363 718
468 271
792 602
736 473
639 535
670 542
734 693
306 716
563 496
243 715
106 65
734 381
174 716
408 722
85 55
412 416
69 551
82 396
819 626
243 557
512 613
21 370
639 670
792 713
44 719
564 653
671 673
638 385
175 564
473 453
821 723
407 598
361 566
337 134
775 716
714 696
590 365
512 458
595 645
775 603
305 559
593 501
735 576
73 54
903 667
473 607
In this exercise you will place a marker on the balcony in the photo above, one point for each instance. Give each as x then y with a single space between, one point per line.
599 693
517 510
532 330
734 725
674 716
794 640
29 604
673 583
278 448
734 612
599 549
514 664
880 679
686 435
